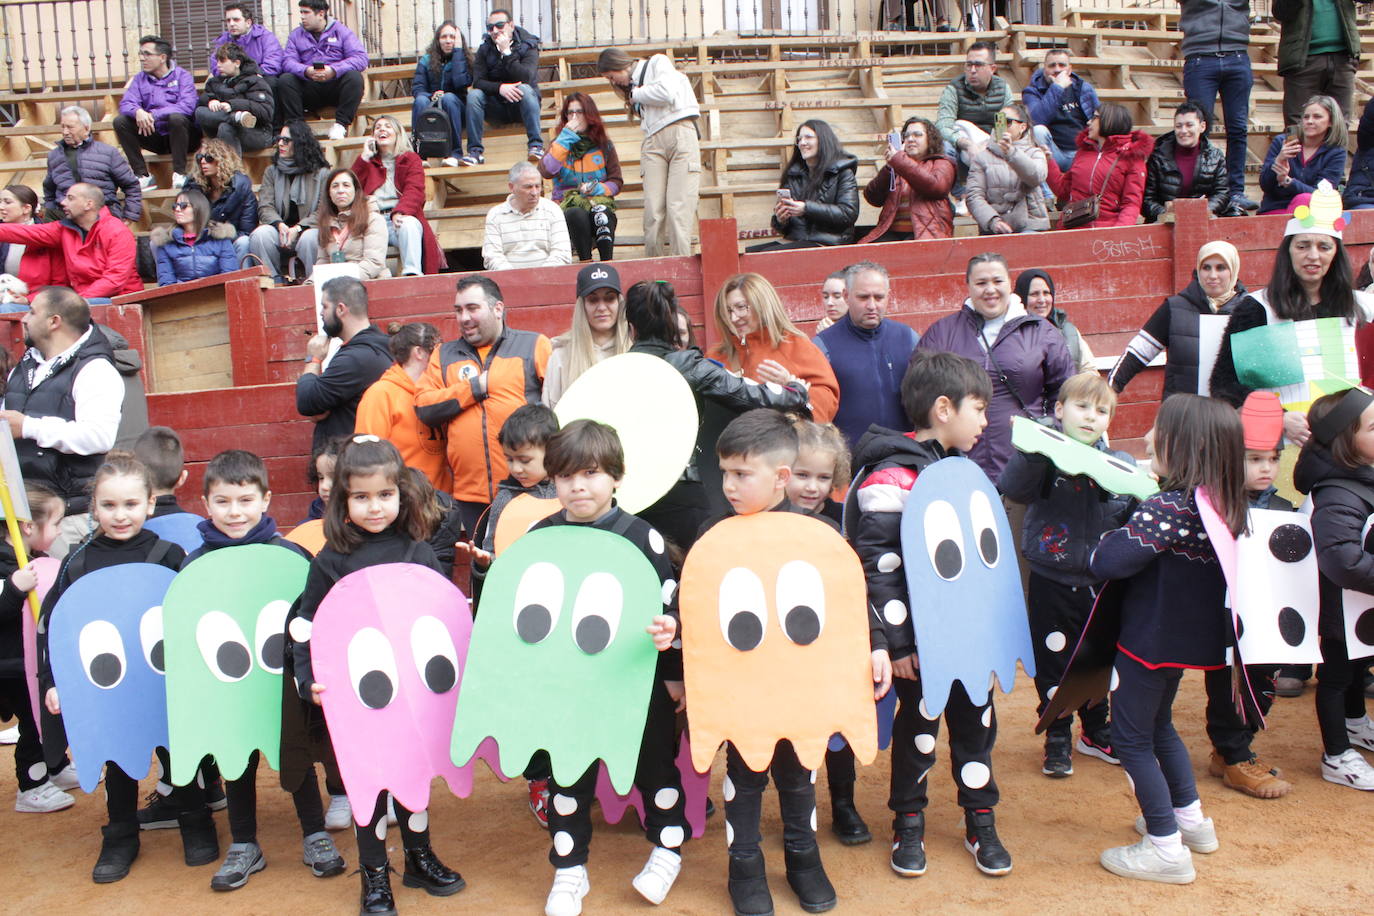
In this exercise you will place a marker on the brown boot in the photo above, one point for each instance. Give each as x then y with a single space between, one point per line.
1251 776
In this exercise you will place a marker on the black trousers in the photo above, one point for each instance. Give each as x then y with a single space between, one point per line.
782 245
414 826
181 137
972 734
582 230
29 768
1226 728
1057 614
1340 694
656 777
296 96
121 797
839 770
242 796
744 800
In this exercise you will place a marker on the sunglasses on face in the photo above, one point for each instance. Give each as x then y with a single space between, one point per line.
206 157
495 26
180 205
283 141
1015 121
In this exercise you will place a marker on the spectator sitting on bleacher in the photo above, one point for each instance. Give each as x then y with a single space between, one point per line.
393 177
585 169
96 248
1359 190
193 247
1185 164
289 201
505 85
1061 102
913 188
1304 154
351 230
237 105
229 190
1114 170
322 65
156 112
1005 177
257 41
822 196
80 157
34 266
442 77
526 229
969 106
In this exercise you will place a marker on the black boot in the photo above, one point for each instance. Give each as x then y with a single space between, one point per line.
199 842
806 875
118 849
423 869
909 845
845 821
377 899
749 886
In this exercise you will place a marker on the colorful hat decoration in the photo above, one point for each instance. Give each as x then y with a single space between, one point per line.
1262 419
1320 211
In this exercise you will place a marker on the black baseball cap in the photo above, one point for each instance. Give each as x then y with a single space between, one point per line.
597 276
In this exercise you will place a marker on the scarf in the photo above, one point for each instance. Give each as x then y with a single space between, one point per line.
263 533
1227 252
288 165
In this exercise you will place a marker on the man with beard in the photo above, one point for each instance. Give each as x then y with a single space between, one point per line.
330 396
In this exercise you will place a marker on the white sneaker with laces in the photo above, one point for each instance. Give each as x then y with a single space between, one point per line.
10 735
67 778
178 180
570 885
657 877
43 799
1349 769
340 813
1143 861
451 161
1202 838
147 182
337 131
1361 732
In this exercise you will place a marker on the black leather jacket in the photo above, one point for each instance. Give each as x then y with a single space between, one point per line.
831 210
1162 179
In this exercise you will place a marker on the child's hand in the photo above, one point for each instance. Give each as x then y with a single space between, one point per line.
664 630
25 578
882 673
678 691
50 701
905 667
315 691
478 556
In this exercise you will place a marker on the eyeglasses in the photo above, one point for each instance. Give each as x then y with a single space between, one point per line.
208 157
149 54
573 111
181 205
495 26
914 135
283 141
976 64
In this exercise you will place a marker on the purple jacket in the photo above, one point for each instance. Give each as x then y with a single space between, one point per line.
336 46
1033 360
259 44
175 93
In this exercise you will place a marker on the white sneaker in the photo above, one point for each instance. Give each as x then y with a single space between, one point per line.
451 161
1349 769
1202 838
337 131
1360 731
570 885
1143 861
960 208
178 180
147 182
340 813
10 735
656 879
42 799
67 778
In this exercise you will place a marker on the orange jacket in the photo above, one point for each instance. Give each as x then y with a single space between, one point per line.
448 399
388 410
800 356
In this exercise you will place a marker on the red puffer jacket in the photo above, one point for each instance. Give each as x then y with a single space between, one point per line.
1122 188
930 181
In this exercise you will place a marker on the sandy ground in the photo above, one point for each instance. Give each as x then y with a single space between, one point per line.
1306 853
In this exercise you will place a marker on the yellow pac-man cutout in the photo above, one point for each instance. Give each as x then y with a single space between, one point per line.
520 513
309 535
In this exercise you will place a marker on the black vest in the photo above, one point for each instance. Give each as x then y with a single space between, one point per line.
69 475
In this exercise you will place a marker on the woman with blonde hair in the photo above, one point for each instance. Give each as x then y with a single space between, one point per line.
1309 151
228 188
759 341
598 330
393 177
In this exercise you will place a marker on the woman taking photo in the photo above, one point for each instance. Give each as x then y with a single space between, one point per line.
351 229
1004 180
818 201
759 342
1175 326
1186 164
288 202
585 169
442 77
1311 150
193 247
393 177
598 331
230 191
36 266
1035 289
1110 165
913 188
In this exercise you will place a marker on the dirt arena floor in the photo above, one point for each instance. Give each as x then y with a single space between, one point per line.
1307 853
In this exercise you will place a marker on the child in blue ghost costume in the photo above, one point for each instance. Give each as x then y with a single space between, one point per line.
121 500
945 397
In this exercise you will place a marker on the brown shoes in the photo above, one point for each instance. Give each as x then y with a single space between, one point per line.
1251 776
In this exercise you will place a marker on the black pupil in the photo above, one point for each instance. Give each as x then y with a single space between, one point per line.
593 634
533 622
155 657
272 648
803 625
439 674
233 659
987 545
375 690
106 669
948 559
745 631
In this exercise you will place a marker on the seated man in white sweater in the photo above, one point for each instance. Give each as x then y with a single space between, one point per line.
528 229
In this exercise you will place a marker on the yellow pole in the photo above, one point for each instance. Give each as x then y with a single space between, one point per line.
12 524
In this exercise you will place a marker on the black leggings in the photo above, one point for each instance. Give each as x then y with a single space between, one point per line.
1057 614
744 800
1340 694
372 835
242 796
582 231
29 768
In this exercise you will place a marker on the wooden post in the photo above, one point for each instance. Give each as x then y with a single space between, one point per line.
1191 219
719 262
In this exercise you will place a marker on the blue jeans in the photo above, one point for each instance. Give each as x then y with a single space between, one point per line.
1228 74
457 114
499 111
1044 138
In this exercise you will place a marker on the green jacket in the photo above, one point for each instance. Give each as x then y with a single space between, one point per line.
1296 19
960 103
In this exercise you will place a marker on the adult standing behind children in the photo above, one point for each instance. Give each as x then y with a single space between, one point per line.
322 65
598 330
1035 289
330 396
505 85
387 408
670 157
156 111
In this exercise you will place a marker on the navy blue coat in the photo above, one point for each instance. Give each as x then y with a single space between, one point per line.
1328 162
238 206
455 77
213 253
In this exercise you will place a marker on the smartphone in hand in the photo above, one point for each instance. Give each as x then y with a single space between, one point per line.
999 125
894 140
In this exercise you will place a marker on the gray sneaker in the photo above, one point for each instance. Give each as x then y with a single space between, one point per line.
1202 838
322 856
241 861
1143 861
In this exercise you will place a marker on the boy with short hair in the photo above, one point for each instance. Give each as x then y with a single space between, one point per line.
159 448
587 464
237 496
1065 518
945 397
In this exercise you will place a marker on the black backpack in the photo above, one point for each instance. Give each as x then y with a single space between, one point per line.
433 133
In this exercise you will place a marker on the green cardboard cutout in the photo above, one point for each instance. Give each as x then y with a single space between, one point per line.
224 623
560 660
1073 458
1301 360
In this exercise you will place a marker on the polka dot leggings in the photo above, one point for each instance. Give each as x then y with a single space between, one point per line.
744 801
1057 615
972 733
414 827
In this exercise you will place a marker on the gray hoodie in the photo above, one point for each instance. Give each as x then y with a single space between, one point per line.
1211 26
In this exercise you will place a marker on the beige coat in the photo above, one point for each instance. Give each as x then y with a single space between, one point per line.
1008 186
368 252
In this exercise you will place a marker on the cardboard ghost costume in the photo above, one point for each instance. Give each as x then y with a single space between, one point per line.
695 787
181 528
